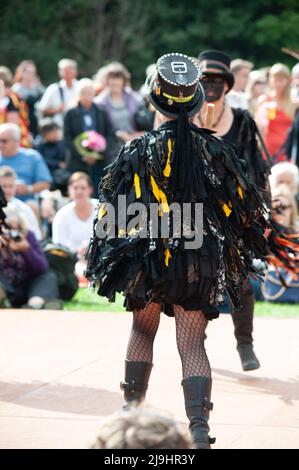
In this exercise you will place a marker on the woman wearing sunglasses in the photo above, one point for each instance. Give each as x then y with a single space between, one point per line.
236 127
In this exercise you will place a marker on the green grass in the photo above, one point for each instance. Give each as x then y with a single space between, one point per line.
270 309
87 300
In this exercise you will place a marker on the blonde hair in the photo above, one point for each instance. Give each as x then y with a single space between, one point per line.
238 64
13 211
284 71
282 190
255 77
139 428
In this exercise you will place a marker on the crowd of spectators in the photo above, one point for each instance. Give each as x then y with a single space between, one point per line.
55 142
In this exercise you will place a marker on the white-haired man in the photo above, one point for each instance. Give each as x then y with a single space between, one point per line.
32 172
59 97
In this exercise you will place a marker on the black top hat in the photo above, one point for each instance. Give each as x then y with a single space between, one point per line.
175 85
219 61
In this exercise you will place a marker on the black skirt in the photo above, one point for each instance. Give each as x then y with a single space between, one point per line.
161 269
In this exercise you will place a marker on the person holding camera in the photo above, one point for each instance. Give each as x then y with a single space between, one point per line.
24 270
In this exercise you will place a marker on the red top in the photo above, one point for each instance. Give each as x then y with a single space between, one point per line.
277 133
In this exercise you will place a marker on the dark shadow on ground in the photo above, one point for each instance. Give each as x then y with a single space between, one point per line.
61 397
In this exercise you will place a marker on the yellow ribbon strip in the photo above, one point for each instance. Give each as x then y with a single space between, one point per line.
178 99
227 210
240 192
102 212
137 186
160 196
167 256
167 169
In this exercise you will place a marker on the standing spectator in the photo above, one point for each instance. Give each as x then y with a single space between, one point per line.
86 116
8 178
32 172
120 102
13 109
256 87
295 83
276 111
240 69
28 86
59 97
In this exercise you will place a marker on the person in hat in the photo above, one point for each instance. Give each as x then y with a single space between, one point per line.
175 165
237 127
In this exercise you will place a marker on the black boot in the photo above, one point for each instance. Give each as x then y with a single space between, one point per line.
197 393
243 323
137 374
248 358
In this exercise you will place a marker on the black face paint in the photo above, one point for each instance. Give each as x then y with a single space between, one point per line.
213 86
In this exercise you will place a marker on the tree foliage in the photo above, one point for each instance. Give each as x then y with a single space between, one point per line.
138 31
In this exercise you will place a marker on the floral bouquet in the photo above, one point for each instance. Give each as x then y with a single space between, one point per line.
90 144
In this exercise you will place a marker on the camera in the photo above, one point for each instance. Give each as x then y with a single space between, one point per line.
15 235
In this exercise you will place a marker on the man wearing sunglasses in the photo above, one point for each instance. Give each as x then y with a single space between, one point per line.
32 172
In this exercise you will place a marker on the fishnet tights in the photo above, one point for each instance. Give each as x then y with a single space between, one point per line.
190 336
145 325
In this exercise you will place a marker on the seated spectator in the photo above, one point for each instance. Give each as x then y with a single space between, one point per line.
286 173
50 203
52 148
73 223
28 87
284 206
140 428
13 109
24 271
284 210
86 116
8 182
32 172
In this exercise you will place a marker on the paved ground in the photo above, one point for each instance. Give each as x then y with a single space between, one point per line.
59 376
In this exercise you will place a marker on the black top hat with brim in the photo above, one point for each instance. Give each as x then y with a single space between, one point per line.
175 86
220 62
